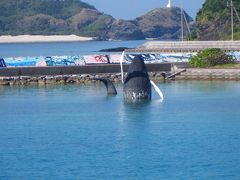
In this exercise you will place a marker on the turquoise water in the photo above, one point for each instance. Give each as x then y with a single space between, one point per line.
62 49
77 132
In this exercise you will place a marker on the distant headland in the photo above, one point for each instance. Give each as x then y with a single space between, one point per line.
213 21
76 17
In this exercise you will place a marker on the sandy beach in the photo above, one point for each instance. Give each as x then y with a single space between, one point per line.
40 38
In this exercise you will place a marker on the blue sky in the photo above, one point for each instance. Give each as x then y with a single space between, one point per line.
130 9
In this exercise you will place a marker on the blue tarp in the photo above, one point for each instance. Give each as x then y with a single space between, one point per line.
50 61
22 61
79 60
2 63
64 60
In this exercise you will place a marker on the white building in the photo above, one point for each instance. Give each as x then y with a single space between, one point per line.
169 5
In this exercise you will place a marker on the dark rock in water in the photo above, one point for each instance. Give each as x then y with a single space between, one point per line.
137 84
118 49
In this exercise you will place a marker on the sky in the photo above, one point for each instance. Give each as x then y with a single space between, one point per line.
130 9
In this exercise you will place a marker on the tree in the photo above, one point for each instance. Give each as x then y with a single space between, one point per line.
211 57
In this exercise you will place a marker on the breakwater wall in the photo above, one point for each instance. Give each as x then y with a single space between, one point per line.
56 75
66 79
88 69
186 46
76 74
210 74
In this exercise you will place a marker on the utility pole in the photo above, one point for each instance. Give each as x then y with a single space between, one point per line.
182 23
232 19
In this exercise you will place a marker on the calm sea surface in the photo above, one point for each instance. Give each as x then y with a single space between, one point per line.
60 49
77 132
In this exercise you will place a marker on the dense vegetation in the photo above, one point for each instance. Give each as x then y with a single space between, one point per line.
213 21
211 57
13 12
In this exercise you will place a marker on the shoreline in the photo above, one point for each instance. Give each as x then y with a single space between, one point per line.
88 78
114 77
42 39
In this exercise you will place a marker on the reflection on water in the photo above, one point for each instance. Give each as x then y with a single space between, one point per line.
127 110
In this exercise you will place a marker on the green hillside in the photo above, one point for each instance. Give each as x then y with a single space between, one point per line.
12 12
64 17
213 20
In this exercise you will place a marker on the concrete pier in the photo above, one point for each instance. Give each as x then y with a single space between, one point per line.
86 74
186 46
190 74
87 69
75 74
67 79
210 74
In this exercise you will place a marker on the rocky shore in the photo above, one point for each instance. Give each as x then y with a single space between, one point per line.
190 74
66 79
